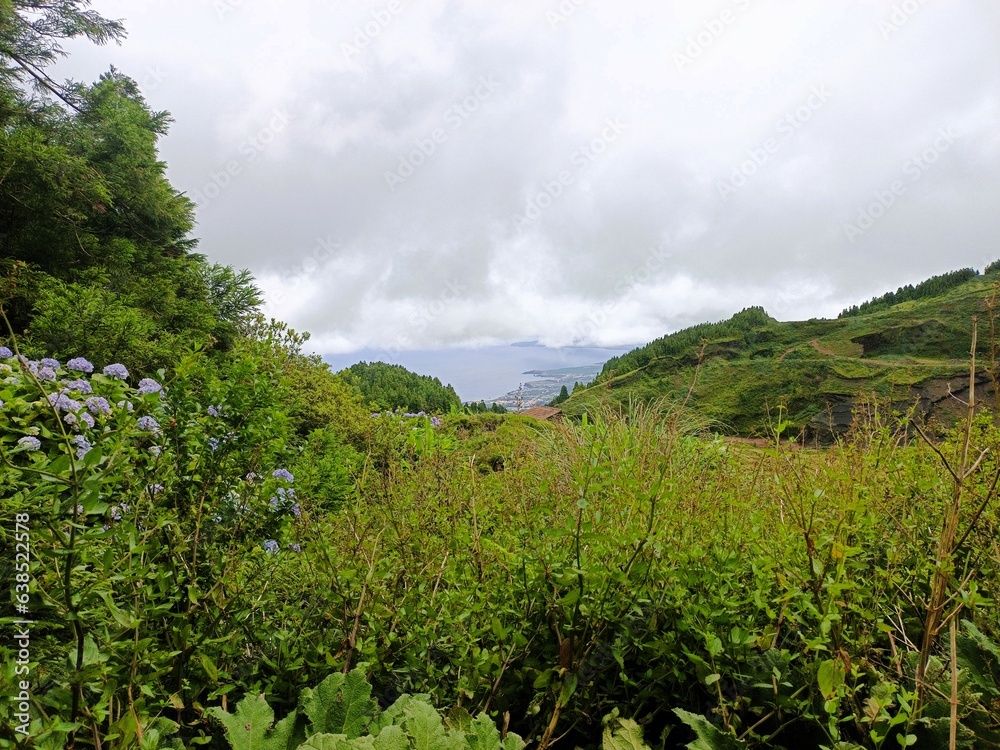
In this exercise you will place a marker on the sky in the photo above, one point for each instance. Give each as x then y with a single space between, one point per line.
411 176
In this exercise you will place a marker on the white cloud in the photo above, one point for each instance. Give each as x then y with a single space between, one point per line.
407 100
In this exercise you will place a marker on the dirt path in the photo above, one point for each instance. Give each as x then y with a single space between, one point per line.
821 350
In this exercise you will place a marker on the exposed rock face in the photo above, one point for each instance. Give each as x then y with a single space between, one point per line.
939 401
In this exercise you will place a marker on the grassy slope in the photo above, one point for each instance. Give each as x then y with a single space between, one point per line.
807 366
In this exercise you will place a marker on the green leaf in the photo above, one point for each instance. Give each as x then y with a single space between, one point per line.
247 729
392 738
483 734
830 677
341 705
709 737
424 727
626 736
326 742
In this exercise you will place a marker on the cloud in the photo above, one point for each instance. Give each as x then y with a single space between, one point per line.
456 172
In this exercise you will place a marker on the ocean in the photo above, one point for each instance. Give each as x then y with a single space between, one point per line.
485 373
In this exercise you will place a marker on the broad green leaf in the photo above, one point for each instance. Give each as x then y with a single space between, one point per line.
247 729
483 734
326 742
709 736
626 736
392 738
830 677
341 705
424 727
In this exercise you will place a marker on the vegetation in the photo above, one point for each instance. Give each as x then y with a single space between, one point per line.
752 371
394 387
932 287
231 550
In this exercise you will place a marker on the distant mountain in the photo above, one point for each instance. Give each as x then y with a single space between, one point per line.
812 375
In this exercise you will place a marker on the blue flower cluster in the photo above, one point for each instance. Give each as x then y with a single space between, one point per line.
283 474
79 364
148 385
148 424
117 371
5 353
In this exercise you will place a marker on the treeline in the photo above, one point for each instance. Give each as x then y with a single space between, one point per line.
932 287
480 407
739 326
388 386
95 248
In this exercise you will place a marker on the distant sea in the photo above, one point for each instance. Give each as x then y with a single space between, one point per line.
483 373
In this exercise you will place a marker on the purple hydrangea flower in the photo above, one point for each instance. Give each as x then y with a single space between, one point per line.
82 386
30 443
295 547
80 365
5 353
50 363
87 420
148 385
213 443
252 477
214 411
275 503
98 405
148 424
155 450
63 402
82 445
271 547
116 371
1 403
47 374
297 510
435 421
154 489
116 513
283 474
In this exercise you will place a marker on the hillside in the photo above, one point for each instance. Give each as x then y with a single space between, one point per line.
757 371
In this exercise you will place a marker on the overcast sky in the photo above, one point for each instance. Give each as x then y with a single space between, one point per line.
420 175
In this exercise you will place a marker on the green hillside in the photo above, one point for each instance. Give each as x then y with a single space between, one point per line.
757 371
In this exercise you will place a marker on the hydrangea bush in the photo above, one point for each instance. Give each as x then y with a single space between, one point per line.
149 545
